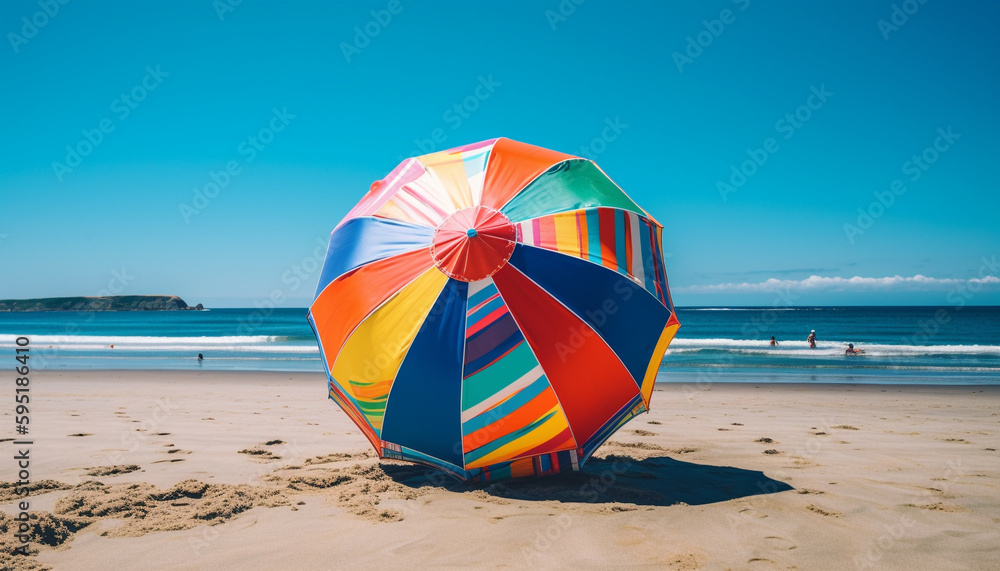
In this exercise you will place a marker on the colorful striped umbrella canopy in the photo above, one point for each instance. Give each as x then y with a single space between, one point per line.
495 310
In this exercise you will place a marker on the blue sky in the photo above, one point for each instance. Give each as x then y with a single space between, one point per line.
323 111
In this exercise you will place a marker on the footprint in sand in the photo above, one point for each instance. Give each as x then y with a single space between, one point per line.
685 450
776 542
821 511
260 454
99 471
687 561
81 434
637 445
339 457
937 507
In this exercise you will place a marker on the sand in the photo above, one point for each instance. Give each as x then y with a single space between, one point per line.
186 470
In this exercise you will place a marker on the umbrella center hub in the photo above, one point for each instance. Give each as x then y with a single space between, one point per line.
473 243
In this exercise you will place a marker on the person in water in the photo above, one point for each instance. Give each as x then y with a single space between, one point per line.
812 339
852 351
774 342
200 358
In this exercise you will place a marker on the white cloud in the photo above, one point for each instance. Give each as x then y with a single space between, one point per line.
857 283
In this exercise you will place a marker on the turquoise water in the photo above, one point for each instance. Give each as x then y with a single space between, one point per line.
902 344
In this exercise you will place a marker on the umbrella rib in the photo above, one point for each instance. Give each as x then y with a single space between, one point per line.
368 315
461 385
392 255
586 209
532 349
537 176
582 320
612 433
642 287
388 395
383 193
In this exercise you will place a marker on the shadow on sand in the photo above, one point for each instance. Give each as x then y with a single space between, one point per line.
655 481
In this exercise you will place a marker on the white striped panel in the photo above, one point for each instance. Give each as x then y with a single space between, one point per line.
412 208
417 199
476 179
531 376
478 286
637 270
428 189
527 233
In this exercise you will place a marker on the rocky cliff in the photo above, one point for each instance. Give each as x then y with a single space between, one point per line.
111 303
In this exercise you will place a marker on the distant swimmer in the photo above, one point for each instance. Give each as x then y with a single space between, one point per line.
812 339
852 351
774 342
200 358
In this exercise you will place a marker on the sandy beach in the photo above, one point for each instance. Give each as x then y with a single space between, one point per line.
186 470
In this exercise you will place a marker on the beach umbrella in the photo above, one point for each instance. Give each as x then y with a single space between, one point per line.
494 310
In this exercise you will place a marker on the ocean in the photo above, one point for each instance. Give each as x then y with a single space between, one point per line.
935 345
